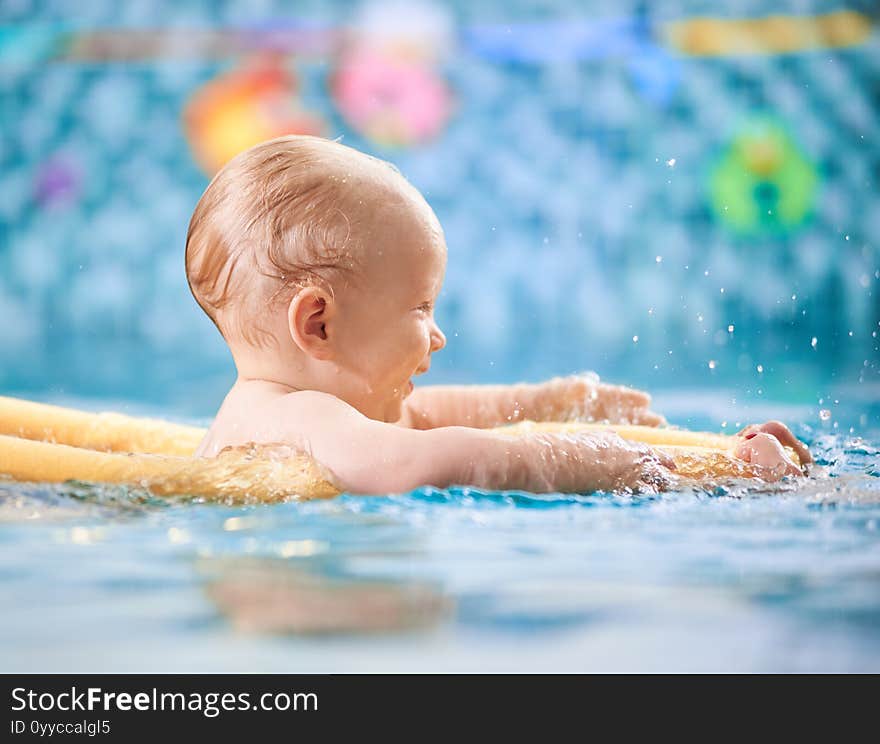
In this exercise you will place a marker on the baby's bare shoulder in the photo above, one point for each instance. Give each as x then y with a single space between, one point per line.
290 418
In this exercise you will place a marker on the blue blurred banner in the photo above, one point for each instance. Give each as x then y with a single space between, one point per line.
680 200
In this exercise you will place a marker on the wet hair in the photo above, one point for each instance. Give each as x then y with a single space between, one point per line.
284 214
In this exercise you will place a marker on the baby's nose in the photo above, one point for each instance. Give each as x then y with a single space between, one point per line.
438 339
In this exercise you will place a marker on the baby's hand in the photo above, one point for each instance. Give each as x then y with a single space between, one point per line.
578 398
783 434
762 445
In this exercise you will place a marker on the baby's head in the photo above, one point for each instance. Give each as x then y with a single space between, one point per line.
320 266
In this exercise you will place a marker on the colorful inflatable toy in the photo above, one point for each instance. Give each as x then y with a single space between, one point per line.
241 108
392 101
763 182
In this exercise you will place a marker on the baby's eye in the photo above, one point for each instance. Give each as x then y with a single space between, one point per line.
426 307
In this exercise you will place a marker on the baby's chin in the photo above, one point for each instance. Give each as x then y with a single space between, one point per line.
394 406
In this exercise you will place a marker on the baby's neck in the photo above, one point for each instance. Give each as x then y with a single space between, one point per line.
279 374
260 368
285 376
267 384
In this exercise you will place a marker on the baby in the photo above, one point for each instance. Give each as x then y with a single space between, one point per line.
321 267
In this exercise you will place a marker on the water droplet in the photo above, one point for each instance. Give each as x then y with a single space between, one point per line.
177 535
712 364
635 339
671 162
659 259
730 328
846 237
760 369
825 414
814 342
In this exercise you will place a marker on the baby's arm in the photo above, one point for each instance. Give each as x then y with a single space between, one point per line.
367 456
573 398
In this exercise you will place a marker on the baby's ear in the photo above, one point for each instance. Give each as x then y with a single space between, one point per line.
307 315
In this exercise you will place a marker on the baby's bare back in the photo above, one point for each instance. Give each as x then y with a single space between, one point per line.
255 412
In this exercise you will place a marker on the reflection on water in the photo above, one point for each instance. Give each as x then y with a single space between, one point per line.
275 596
783 577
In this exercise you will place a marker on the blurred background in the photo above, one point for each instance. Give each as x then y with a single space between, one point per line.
675 195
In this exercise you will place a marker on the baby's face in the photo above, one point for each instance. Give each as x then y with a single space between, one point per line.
385 328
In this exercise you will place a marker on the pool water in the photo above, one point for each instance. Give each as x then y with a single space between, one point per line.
777 578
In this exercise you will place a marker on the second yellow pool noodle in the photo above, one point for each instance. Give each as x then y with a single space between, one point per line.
39 442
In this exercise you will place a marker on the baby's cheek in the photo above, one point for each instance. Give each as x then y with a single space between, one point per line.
424 344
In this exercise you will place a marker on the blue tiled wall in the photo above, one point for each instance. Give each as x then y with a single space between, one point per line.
571 231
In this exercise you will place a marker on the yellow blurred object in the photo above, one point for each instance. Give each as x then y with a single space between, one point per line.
243 107
645 434
112 432
777 34
44 443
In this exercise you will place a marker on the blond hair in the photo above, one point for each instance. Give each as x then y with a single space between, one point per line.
281 215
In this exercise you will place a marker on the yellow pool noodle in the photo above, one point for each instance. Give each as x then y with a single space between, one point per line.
45 443
112 432
633 433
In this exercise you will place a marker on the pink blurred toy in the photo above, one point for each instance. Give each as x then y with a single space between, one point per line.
391 99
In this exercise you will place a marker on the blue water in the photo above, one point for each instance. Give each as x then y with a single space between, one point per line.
782 578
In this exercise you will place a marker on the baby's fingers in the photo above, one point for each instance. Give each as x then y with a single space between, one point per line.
765 451
630 396
644 417
784 435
